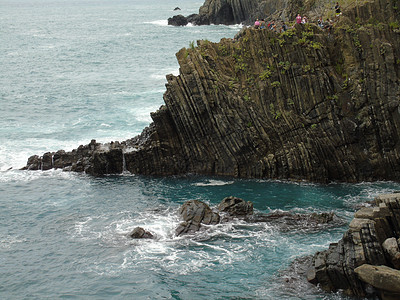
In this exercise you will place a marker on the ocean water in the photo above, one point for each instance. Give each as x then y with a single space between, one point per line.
72 71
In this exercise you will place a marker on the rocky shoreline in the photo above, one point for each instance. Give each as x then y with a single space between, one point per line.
366 261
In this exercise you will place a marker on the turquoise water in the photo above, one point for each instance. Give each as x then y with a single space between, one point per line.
71 71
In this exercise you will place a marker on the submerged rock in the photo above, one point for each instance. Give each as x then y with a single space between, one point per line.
286 221
140 233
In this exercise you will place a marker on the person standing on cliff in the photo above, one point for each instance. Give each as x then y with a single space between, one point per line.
337 10
256 24
298 19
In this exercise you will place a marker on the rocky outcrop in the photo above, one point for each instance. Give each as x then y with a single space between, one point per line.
301 105
235 207
194 213
140 233
365 261
178 20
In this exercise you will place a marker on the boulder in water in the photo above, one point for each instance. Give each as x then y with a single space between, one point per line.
178 20
194 213
235 207
140 233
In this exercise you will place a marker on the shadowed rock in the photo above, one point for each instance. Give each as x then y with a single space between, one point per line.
235 207
286 221
140 233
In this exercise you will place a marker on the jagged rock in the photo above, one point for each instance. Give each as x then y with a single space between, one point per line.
235 207
33 163
382 278
140 233
178 20
194 213
371 239
177 8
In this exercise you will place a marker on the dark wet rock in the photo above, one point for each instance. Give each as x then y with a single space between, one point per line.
286 221
34 163
371 240
177 8
178 20
194 213
140 233
235 207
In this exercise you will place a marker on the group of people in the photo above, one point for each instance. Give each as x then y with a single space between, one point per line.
327 25
261 24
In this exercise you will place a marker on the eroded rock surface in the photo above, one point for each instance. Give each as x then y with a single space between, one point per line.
366 255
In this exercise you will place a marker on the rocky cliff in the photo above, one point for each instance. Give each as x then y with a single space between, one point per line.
303 104
230 12
366 261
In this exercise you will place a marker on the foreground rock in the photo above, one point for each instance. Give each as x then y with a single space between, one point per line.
366 256
140 233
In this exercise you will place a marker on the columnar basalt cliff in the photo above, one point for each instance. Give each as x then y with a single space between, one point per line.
304 104
366 261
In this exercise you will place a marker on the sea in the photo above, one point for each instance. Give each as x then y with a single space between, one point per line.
76 70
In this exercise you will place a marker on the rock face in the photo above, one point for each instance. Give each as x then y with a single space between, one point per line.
301 105
366 256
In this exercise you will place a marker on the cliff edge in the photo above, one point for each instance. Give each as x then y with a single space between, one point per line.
305 104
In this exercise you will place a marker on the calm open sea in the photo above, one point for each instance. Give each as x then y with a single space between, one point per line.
72 71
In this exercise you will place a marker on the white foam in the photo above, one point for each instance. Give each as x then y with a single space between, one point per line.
8 241
213 183
158 22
